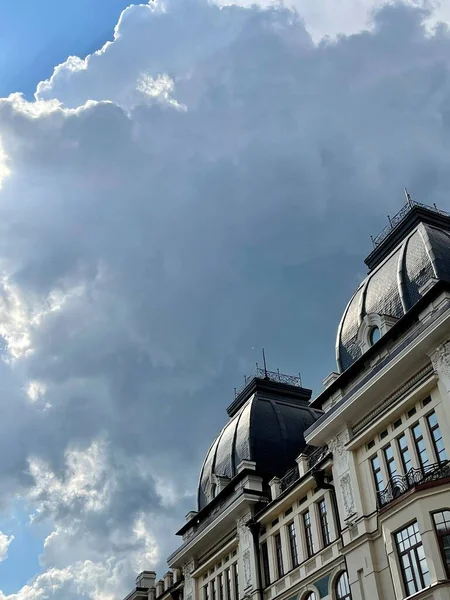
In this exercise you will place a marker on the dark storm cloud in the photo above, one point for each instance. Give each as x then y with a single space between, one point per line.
207 185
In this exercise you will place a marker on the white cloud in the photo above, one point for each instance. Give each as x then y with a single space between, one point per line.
5 542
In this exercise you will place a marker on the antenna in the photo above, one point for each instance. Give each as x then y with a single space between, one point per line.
265 365
408 197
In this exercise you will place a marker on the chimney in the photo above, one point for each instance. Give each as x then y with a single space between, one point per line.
168 580
146 580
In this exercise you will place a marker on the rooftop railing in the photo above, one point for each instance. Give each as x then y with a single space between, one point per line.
398 218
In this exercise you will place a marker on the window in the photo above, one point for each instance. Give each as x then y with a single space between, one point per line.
324 525
412 411
308 533
205 592
442 524
343 587
374 335
420 445
390 461
279 555
311 596
438 443
404 453
228 583
377 474
265 563
412 559
220 578
213 589
236 581
293 544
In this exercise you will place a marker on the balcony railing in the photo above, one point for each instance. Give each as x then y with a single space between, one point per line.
314 456
400 484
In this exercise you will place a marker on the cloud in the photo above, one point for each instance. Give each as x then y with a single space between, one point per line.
203 185
5 541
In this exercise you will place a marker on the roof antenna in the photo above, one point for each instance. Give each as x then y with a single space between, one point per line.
265 365
408 197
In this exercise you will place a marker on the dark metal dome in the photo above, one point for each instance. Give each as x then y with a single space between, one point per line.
415 251
267 423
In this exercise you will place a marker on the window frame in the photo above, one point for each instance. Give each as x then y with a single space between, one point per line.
411 550
278 545
265 563
379 485
346 596
431 430
292 537
417 441
324 522
403 451
439 539
307 529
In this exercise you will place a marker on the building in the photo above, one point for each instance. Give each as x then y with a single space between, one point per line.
346 496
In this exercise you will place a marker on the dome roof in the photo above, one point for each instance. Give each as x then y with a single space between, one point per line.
415 253
266 426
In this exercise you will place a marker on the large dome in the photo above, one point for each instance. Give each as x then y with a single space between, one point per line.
266 427
404 263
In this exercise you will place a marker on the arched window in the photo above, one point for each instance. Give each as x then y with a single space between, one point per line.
343 587
374 335
311 596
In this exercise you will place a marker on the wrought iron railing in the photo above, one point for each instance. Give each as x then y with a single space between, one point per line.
314 456
272 376
396 219
400 484
289 478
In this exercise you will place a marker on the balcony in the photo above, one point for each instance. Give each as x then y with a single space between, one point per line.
414 478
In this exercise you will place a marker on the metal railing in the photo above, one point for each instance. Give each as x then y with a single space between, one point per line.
397 218
400 484
272 376
314 456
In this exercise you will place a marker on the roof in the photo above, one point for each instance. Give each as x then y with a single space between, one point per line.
416 250
267 423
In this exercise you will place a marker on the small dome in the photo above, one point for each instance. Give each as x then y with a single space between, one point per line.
267 429
394 285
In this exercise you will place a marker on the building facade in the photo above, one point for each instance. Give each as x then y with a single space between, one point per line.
346 496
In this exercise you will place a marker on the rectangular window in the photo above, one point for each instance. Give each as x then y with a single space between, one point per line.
390 461
438 442
236 581
279 555
293 544
308 533
377 474
405 455
213 589
324 525
220 578
412 559
442 525
228 583
420 445
206 592
265 563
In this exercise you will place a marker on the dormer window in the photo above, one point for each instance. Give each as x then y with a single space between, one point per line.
374 335
372 329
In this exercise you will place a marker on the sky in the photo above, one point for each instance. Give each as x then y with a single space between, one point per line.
181 184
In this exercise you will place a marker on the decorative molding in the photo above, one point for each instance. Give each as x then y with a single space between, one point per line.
383 322
393 398
440 359
337 447
347 495
247 569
